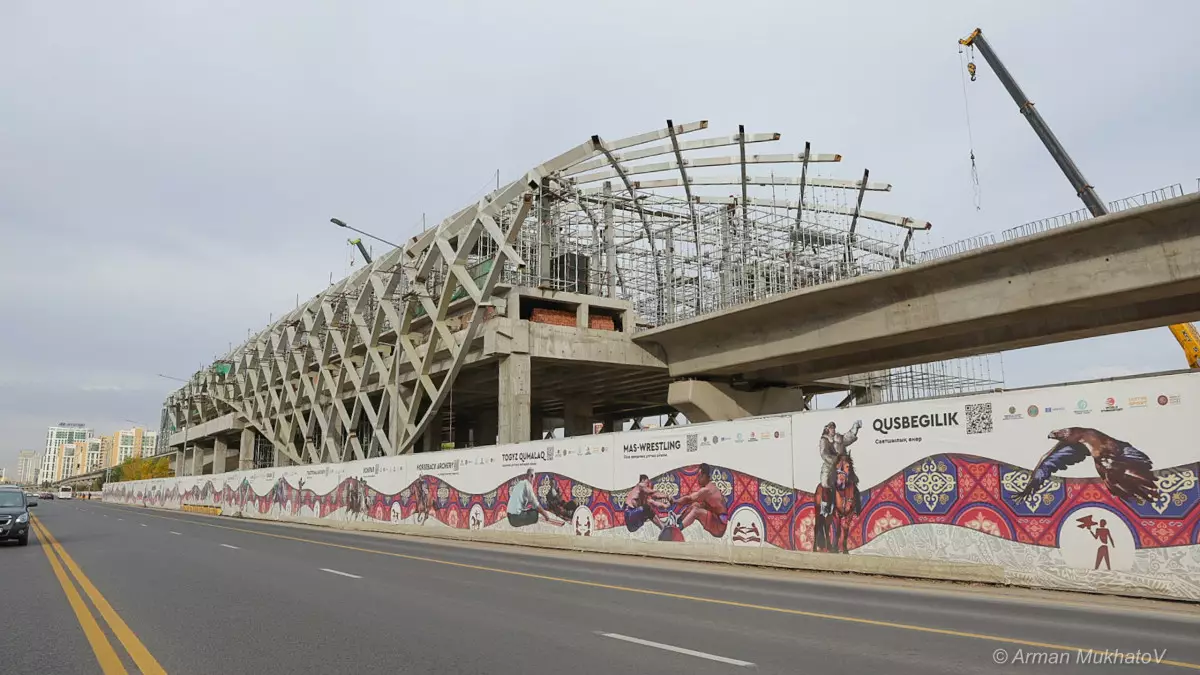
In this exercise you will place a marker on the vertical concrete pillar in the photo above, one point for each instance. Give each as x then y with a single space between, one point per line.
871 388
197 463
246 450
395 423
613 423
220 455
513 415
577 417
178 463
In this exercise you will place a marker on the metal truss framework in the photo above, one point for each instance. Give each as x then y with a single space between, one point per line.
361 369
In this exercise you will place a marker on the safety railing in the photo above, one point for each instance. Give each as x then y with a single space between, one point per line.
1080 215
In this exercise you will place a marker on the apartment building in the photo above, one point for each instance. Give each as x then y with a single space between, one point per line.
27 467
57 436
126 443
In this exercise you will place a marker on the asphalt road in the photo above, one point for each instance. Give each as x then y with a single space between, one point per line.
222 596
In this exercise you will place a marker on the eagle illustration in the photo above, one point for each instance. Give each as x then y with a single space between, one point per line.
1125 470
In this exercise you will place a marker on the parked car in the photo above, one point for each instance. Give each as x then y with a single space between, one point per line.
14 515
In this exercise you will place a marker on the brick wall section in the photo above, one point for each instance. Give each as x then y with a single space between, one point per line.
601 322
566 317
554 317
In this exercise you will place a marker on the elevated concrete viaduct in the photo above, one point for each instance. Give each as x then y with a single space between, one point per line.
1126 271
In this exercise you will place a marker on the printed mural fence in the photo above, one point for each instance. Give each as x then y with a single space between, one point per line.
1085 487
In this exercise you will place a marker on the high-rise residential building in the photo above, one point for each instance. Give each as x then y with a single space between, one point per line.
56 436
27 467
72 459
106 450
149 443
95 455
126 443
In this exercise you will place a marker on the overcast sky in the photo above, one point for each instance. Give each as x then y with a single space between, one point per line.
168 169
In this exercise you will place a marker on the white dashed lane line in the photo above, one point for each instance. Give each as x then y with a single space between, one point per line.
228 546
679 650
344 574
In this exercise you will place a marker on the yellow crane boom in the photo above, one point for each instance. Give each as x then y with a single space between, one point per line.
1189 339
1185 333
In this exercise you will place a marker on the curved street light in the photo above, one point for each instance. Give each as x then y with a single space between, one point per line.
342 223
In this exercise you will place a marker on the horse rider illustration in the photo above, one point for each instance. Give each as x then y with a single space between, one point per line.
833 444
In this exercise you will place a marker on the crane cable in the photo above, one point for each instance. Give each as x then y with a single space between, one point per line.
970 68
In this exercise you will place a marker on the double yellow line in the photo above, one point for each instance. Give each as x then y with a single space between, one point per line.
106 655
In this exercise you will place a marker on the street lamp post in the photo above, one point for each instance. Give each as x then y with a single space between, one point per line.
341 223
187 423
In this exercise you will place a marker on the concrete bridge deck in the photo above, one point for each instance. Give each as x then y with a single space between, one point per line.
1126 271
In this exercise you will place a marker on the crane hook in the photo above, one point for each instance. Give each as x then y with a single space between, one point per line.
971 70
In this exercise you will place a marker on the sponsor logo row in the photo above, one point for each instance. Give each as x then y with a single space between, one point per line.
1084 407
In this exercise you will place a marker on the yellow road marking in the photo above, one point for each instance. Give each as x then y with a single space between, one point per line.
110 663
678 596
137 651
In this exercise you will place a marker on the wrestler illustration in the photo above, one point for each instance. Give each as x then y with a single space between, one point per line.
643 504
706 505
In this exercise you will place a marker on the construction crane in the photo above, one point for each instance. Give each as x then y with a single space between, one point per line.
1185 333
361 249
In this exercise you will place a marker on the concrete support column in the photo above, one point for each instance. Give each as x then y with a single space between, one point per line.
613 423
870 389
577 417
178 463
714 401
246 450
513 416
196 467
220 455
